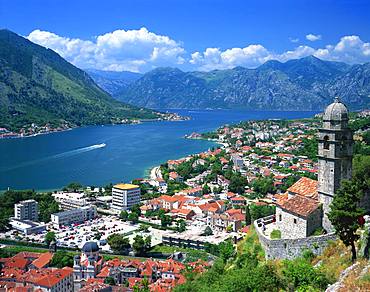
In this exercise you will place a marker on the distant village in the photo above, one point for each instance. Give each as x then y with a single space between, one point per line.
36 129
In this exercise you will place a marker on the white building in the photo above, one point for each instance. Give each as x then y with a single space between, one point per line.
26 210
27 227
125 196
77 215
69 201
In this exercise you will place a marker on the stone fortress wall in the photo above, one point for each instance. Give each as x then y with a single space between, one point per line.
290 248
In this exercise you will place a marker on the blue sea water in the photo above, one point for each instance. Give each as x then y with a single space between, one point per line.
52 161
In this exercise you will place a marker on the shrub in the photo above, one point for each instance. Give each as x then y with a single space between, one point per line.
275 234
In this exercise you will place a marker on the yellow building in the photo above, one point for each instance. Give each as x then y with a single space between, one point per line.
125 196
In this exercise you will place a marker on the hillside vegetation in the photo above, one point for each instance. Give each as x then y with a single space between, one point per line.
249 271
38 86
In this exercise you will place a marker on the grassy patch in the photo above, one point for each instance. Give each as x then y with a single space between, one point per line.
251 244
191 254
10 251
335 258
275 234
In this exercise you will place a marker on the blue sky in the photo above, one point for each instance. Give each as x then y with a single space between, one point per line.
140 35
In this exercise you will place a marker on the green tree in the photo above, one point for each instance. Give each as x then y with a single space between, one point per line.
62 259
73 186
227 250
237 183
181 225
248 220
123 215
110 281
148 242
118 243
208 231
263 185
144 228
49 237
136 209
139 245
166 220
4 224
206 189
133 217
345 211
300 274
257 211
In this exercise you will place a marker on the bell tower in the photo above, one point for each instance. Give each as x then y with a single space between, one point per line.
335 155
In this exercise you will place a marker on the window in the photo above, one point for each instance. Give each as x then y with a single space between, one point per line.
295 221
326 143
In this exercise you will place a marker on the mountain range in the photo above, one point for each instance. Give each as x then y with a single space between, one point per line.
38 86
112 81
302 84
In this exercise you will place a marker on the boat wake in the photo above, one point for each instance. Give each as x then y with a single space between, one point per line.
76 151
56 156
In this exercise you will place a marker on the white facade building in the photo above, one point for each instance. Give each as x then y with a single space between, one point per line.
69 201
27 227
77 215
125 196
26 210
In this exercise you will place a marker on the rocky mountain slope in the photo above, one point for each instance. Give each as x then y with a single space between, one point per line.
111 81
38 86
303 84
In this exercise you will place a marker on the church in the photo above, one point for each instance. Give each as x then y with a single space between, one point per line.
304 208
87 266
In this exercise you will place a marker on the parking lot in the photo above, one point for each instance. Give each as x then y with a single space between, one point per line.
100 228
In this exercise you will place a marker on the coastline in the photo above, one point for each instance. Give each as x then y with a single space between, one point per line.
12 135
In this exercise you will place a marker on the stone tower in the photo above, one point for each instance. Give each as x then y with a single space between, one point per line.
334 154
77 273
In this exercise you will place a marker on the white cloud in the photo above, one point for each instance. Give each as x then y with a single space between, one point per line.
133 50
350 49
294 40
213 58
142 50
313 37
298 52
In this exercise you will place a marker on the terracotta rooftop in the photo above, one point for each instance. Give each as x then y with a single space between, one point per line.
16 262
305 187
54 278
300 205
43 260
167 198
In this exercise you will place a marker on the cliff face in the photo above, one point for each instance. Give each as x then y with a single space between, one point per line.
304 84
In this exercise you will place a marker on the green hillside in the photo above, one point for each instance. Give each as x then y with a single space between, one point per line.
248 270
38 86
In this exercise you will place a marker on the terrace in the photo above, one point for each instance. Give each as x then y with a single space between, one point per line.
266 225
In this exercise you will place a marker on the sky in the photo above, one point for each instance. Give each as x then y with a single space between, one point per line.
140 35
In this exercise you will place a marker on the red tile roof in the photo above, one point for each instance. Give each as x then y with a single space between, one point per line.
300 205
43 260
55 277
16 262
305 187
167 198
